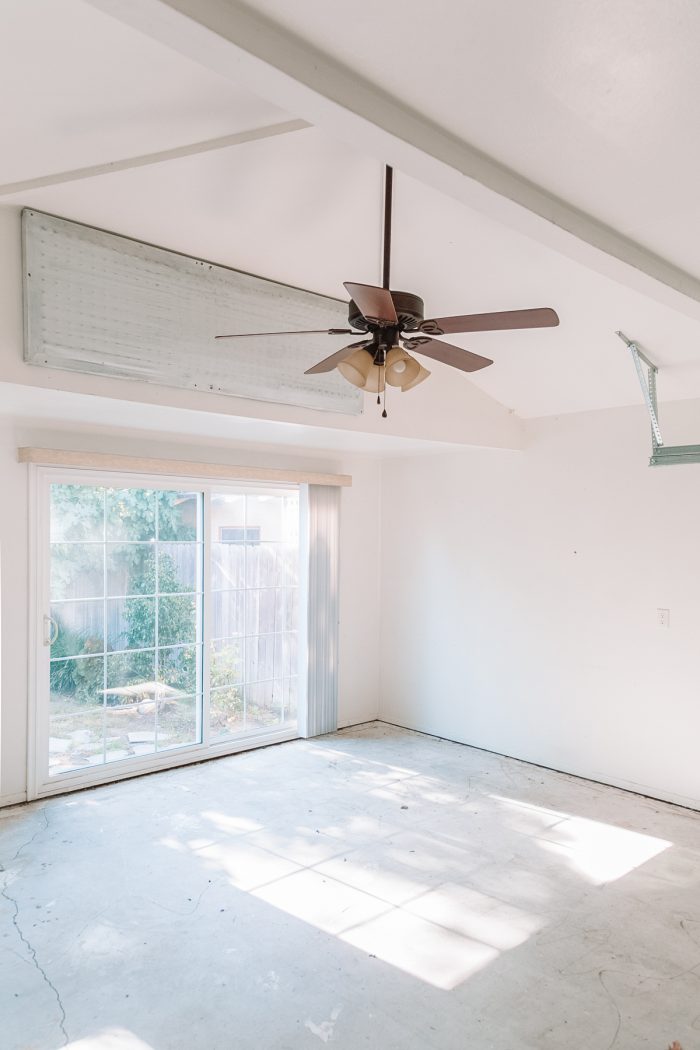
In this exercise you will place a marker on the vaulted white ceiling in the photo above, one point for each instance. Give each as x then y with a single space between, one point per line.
591 105
594 100
79 88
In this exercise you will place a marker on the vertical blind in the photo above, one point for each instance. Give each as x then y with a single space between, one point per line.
323 609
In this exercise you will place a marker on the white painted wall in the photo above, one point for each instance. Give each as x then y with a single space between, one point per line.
359 551
520 595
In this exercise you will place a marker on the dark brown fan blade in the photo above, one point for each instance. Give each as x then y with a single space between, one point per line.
329 363
495 322
375 304
308 331
447 353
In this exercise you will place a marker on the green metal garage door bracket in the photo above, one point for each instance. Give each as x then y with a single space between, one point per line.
661 454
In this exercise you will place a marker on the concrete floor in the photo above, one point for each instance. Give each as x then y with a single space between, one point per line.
376 888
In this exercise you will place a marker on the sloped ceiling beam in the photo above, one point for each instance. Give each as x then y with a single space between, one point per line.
235 41
190 150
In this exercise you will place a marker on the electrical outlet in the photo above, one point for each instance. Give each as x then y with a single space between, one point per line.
664 617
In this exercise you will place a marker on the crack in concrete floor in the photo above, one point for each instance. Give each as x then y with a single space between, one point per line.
20 932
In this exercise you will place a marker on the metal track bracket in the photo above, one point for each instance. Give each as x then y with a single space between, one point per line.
661 455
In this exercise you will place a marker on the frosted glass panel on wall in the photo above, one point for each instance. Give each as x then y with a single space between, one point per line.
103 304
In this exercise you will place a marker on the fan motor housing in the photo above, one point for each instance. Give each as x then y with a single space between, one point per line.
409 310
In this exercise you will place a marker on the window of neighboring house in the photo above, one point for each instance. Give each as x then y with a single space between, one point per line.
239 534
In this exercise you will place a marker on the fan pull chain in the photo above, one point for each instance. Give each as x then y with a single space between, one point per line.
384 390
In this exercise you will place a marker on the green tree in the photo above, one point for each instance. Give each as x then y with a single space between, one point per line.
93 515
176 624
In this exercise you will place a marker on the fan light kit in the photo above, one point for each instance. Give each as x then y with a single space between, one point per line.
395 325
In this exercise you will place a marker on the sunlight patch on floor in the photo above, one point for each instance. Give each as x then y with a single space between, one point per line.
400 895
231 825
432 953
601 852
442 936
477 916
110 1039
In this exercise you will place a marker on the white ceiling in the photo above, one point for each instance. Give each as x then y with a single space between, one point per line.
306 209
594 100
79 89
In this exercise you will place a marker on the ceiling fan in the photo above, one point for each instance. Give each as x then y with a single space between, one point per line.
394 324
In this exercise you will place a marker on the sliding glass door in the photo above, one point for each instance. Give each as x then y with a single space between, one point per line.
168 622
254 581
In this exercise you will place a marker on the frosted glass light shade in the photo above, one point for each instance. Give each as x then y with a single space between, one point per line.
401 368
360 370
356 368
423 373
374 383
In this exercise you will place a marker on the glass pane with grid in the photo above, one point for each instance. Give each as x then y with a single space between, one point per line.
254 611
126 604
